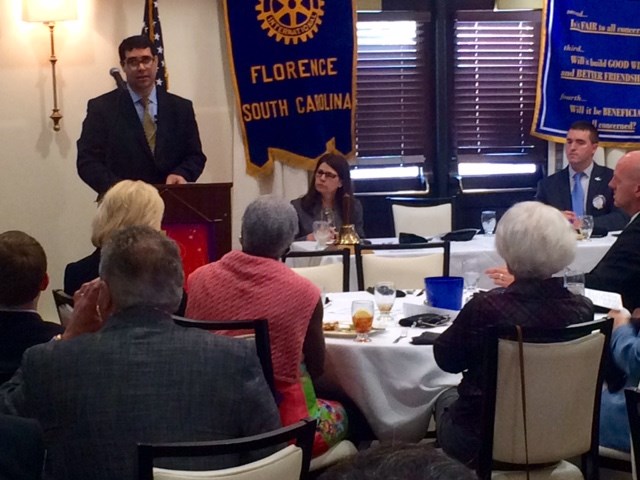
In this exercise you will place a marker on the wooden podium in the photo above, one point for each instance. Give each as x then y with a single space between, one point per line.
198 217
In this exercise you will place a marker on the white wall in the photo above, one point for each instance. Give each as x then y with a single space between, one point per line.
40 191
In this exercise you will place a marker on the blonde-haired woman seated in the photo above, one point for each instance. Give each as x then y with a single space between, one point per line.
125 204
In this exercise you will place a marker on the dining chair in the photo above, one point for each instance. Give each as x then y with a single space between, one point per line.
289 463
426 217
64 305
328 277
405 269
260 327
541 401
632 398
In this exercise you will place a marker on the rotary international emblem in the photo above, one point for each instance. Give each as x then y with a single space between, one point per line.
290 21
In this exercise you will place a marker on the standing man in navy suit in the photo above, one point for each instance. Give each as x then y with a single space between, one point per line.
592 195
138 131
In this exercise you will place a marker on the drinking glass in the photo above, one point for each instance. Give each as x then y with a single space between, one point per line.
362 317
574 281
471 275
322 233
384 294
586 226
488 219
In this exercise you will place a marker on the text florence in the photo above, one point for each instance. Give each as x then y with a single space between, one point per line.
309 104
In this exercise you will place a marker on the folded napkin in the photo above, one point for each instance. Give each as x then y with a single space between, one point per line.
463 235
411 238
426 338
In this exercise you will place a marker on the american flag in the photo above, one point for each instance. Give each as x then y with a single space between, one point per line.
151 28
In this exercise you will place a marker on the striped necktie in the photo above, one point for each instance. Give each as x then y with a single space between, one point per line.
577 195
148 124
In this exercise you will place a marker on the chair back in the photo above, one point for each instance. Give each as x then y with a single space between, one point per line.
406 265
425 220
290 463
632 397
562 384
259 326
64 305
326 275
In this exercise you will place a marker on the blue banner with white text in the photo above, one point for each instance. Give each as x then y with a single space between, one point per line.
590 70
293 67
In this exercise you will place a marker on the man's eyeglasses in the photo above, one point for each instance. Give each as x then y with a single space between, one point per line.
135 62
329 175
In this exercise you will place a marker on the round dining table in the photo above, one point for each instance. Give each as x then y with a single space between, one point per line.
392 381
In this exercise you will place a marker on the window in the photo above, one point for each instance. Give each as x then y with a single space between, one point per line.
394 89
496 61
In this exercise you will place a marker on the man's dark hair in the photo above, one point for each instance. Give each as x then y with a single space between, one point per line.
23 266
400 462
137 41
586 127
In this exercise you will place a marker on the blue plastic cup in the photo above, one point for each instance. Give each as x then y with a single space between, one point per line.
444 292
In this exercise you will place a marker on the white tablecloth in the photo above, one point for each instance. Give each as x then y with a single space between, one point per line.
481 247
394 384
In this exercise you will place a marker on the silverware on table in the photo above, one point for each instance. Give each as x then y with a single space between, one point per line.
403 334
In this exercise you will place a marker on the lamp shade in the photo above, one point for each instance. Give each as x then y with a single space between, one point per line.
49 10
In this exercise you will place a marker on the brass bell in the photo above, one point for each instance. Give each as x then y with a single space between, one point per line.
348 235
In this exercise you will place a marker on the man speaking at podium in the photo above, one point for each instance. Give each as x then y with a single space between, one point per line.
138 131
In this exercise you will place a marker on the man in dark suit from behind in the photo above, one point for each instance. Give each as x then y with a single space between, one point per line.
124 139
23 276
123 372
557 190
21 449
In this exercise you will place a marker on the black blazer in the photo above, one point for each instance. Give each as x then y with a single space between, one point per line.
554 190
113 147
82 271
21 448
619 270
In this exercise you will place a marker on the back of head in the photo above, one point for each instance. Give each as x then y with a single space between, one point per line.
129 202
142 267
535 240
269 225
23 267
400 462
586 127
136 41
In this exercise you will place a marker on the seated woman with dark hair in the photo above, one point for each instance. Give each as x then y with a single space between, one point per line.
323 201
125 204
254 283
535 241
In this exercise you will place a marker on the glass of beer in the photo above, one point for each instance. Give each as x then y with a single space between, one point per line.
362 317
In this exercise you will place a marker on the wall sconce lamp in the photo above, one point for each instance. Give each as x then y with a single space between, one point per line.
50 12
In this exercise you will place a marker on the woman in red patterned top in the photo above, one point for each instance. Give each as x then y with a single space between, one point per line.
254 283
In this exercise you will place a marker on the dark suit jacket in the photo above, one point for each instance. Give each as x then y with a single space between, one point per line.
554 190
113 147
82 271
21 449
141 378
619 270
20 330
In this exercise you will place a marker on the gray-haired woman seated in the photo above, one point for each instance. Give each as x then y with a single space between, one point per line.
535 241
254 283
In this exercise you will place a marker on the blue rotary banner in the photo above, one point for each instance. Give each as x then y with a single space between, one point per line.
293 67
590 70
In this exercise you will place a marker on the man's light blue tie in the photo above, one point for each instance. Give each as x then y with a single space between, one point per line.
577 195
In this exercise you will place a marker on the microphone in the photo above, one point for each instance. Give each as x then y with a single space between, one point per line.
115 73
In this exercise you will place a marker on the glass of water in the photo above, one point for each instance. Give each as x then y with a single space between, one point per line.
586 226
488 219
574 281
